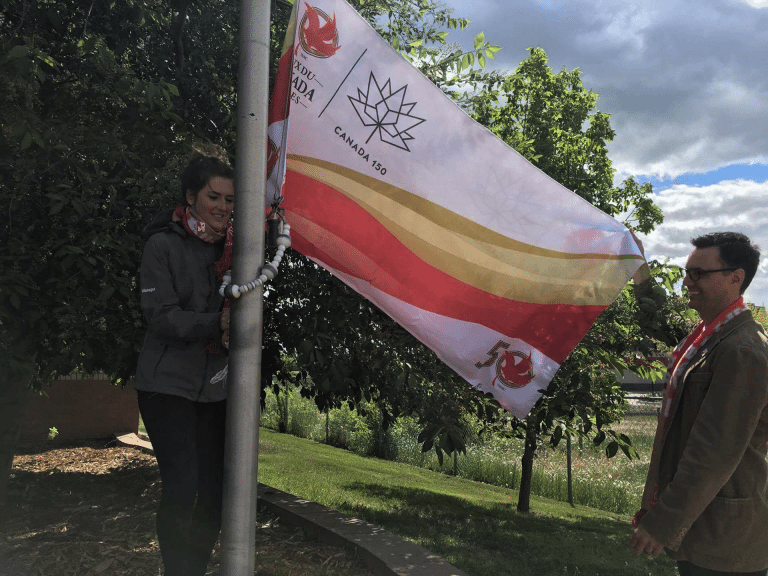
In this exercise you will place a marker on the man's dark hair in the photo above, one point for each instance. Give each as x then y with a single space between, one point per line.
736 251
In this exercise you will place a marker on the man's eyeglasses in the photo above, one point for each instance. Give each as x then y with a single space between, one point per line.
695 274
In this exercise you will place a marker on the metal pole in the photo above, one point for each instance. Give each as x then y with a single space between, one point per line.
238 530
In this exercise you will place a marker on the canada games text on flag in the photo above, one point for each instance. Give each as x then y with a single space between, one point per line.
397 192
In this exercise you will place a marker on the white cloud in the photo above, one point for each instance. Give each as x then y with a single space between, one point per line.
735 205
685 86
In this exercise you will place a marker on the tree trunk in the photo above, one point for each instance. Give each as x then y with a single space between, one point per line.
380 443
14 395
524 497
281 397
285 423
570 471
177 32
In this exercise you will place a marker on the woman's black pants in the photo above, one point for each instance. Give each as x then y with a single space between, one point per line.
188 441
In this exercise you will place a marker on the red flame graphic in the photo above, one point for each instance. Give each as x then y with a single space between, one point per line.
319 39
514 374
273 155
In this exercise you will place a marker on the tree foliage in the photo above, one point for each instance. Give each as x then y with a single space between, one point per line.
101 102
419 30
77 160
552 120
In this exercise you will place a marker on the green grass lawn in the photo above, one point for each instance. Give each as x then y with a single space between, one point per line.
614 484
472 525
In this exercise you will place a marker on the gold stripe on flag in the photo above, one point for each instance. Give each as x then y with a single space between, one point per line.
473 253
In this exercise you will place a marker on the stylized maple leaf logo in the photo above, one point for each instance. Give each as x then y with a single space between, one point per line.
321 41
387 112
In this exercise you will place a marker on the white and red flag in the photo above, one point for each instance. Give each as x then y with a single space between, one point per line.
392 188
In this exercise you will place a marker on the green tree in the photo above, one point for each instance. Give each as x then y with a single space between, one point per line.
552 120
100 106
419 30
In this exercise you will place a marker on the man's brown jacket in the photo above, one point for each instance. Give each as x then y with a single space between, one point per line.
710 465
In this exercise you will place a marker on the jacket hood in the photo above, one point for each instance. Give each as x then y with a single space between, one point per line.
160 223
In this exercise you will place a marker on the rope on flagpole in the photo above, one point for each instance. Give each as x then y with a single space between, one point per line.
279 235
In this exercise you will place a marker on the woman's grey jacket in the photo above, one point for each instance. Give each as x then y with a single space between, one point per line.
181 303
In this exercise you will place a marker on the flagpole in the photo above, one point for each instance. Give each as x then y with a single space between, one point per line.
238 531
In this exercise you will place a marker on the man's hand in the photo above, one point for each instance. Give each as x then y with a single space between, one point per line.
644 544
643 273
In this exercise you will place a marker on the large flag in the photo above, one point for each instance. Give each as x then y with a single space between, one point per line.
392 188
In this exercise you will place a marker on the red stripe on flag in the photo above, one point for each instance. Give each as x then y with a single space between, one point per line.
279 102
384 262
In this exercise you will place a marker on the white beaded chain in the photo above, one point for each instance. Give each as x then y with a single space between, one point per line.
267 272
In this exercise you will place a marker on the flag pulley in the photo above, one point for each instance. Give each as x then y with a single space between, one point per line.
279 236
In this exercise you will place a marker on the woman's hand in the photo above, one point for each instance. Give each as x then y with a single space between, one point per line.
224 325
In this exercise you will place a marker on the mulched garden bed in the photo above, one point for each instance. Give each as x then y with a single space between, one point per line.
89 509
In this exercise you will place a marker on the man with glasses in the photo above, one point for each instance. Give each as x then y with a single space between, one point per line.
705 499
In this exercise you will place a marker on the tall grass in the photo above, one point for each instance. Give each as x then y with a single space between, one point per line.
614 485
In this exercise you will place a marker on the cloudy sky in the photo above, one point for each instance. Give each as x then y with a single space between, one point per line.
686 84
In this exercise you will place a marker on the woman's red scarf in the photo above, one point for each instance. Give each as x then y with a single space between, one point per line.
198 229
681 358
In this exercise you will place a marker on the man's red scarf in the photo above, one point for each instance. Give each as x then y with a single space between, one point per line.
198 229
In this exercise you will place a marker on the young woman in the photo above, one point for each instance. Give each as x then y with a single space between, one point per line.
182 404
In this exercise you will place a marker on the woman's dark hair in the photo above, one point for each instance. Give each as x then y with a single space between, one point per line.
201 168
736 251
